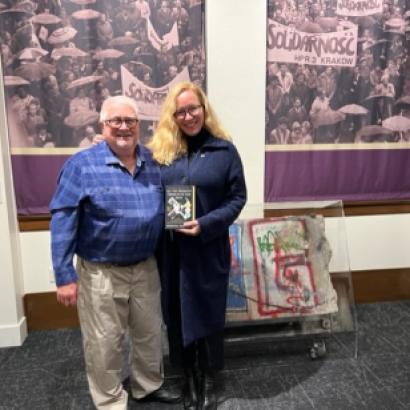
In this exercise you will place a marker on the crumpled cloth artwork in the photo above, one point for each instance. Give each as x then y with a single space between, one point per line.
279 269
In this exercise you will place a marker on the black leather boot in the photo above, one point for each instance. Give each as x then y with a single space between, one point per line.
191 390
208 397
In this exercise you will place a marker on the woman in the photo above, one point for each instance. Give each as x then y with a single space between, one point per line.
193 149
32 120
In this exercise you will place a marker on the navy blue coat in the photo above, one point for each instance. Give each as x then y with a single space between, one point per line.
200 265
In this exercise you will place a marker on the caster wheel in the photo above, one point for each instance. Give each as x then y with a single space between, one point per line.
317 350
326 324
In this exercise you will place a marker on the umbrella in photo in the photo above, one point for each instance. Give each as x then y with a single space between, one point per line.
122 41
395 22
395 32
80 119
86 14
80 82
83 2
32 53
347 24
61 35
45 19
366 21
141 67
310 27
16 13
397 123
25 5
35 71
373 130
373 133
372 97
403 100
14 80
375 44
108 53
327 117
327 23
25 30
147 58
353 109
73 52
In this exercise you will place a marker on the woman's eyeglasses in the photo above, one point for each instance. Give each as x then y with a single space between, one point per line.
192 110
117 122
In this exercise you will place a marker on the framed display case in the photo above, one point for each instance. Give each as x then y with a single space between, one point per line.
290 275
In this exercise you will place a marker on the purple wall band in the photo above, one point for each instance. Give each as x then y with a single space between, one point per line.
35 180
348 175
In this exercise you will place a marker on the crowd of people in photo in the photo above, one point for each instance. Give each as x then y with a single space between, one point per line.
333 104
62 59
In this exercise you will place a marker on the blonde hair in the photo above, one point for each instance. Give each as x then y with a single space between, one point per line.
167 144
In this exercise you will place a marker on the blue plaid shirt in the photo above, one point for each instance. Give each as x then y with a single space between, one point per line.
103 213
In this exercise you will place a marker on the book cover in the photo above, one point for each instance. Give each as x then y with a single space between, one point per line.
179 205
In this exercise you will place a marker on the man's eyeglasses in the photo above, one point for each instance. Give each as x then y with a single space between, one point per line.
117 122
192 110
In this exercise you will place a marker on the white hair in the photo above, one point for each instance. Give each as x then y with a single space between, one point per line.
117 100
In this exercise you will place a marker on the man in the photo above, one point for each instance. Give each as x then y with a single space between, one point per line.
299 89
108 210
298 112
281 134
105 32
274 96
20 102
143 7
88 137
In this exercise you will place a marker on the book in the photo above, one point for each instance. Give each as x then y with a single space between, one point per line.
179 205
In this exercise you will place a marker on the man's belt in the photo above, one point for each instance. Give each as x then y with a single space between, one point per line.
125 264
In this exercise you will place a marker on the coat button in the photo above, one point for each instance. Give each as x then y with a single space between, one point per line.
184 180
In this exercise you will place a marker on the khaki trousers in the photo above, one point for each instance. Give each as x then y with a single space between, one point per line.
112 299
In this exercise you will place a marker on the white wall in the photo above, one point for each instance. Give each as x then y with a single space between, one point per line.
13 328
369 242
359 243
236 50
236 88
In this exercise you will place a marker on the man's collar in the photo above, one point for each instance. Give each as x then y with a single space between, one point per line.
111 158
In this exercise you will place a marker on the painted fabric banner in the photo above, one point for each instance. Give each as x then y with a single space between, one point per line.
337 100
62 58
279 269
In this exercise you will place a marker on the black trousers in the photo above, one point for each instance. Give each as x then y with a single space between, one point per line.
207 353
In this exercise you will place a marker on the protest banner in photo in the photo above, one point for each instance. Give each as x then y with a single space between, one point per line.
290 45
167 41
149 99
359 7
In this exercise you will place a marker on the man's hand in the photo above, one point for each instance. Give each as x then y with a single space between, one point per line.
67 294
97 139
191 228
